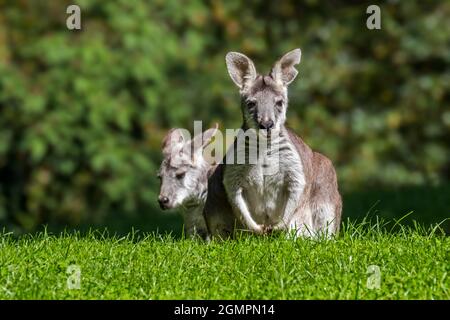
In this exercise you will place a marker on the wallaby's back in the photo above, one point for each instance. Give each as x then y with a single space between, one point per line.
217 211
322 186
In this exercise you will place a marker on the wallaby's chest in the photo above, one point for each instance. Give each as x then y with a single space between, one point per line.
266 185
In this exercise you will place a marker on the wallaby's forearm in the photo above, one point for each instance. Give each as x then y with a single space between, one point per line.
243 213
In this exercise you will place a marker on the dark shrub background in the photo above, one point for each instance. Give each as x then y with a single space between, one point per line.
83 113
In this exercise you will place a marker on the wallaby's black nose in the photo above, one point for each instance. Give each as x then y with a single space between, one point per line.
266 125
163 201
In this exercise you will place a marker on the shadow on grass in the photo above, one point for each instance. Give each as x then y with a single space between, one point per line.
425 205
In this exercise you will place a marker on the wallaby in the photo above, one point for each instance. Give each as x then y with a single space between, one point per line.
302 194
193 183
184 178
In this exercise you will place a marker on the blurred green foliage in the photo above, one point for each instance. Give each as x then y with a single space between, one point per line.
83 113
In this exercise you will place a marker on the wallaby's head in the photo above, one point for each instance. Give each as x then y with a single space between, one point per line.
184 171
263 97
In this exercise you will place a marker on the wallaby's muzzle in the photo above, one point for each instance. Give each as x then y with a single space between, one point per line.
268 124
163 202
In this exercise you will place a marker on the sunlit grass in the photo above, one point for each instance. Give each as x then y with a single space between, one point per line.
414 263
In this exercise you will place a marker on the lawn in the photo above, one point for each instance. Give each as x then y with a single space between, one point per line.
413 262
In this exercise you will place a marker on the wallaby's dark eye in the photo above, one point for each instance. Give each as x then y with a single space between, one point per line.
279 103
251 104
180 175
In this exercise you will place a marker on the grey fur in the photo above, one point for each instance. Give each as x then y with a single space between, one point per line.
184 178
302 196
201 193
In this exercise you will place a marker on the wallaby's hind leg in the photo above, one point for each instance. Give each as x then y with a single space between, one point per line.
326 203
316 221
325 222
302 224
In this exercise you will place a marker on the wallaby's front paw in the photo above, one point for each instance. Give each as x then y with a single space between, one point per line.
259 229
263 229
280 226
267 229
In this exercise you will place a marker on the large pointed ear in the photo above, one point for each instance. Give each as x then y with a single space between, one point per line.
173 142
241 68
283 71
209 134
200 141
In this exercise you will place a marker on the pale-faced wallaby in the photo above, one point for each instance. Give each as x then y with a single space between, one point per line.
195 184
302 194
184 178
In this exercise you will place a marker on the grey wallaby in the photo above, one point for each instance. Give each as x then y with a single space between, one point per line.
301 195
191 182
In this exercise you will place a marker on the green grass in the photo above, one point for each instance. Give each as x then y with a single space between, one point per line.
414 264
